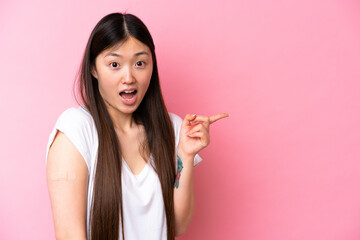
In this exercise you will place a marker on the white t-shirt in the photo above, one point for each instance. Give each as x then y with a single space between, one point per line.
144 211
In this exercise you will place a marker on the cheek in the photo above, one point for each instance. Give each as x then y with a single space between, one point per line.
106 85
147 79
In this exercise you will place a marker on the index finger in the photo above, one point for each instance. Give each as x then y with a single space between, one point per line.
216 117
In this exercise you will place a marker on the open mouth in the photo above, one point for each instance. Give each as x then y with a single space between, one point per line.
128 95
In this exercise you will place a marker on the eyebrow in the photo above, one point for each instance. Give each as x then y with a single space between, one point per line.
118 55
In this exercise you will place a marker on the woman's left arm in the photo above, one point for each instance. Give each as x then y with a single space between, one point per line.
194 136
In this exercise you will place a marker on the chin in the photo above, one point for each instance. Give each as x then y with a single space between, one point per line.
128 109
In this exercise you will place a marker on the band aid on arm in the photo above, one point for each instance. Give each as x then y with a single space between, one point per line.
63 176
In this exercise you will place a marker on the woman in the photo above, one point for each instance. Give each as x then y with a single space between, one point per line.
119 165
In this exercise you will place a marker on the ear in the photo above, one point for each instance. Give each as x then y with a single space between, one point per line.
93 72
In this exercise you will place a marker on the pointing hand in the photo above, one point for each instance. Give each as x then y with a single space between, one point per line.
194 133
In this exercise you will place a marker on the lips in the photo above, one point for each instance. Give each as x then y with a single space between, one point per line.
128 96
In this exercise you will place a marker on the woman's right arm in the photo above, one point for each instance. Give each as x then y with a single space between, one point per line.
67 179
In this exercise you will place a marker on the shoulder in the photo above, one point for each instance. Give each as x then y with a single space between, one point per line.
77 123
176 122
78 126
175 119
75 116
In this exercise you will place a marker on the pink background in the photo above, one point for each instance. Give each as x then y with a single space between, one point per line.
285 165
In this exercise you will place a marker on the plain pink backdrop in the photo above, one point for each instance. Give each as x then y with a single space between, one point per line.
285 165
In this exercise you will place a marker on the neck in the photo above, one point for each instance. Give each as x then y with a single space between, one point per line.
123 122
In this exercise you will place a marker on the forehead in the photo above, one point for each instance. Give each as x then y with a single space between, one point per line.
128 47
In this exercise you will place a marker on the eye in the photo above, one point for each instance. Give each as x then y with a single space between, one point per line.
140 63
114 65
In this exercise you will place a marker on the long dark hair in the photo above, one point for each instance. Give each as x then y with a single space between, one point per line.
106 206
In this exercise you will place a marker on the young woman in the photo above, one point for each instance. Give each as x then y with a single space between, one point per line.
120 166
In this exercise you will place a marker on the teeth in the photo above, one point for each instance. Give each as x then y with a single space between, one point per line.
129 91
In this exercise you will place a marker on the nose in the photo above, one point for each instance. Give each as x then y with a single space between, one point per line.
127 77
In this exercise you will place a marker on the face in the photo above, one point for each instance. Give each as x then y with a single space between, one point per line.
123 73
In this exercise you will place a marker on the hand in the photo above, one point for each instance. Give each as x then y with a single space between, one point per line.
194 133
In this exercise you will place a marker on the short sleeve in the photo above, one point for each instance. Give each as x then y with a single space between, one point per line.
177 121
77 125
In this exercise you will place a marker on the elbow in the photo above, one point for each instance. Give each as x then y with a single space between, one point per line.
182 226
68 236
183 219
180 231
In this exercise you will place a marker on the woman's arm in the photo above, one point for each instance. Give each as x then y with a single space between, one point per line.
184 200
194 136
67 178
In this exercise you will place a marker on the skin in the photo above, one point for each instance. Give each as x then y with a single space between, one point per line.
127 65
68 196
194 136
